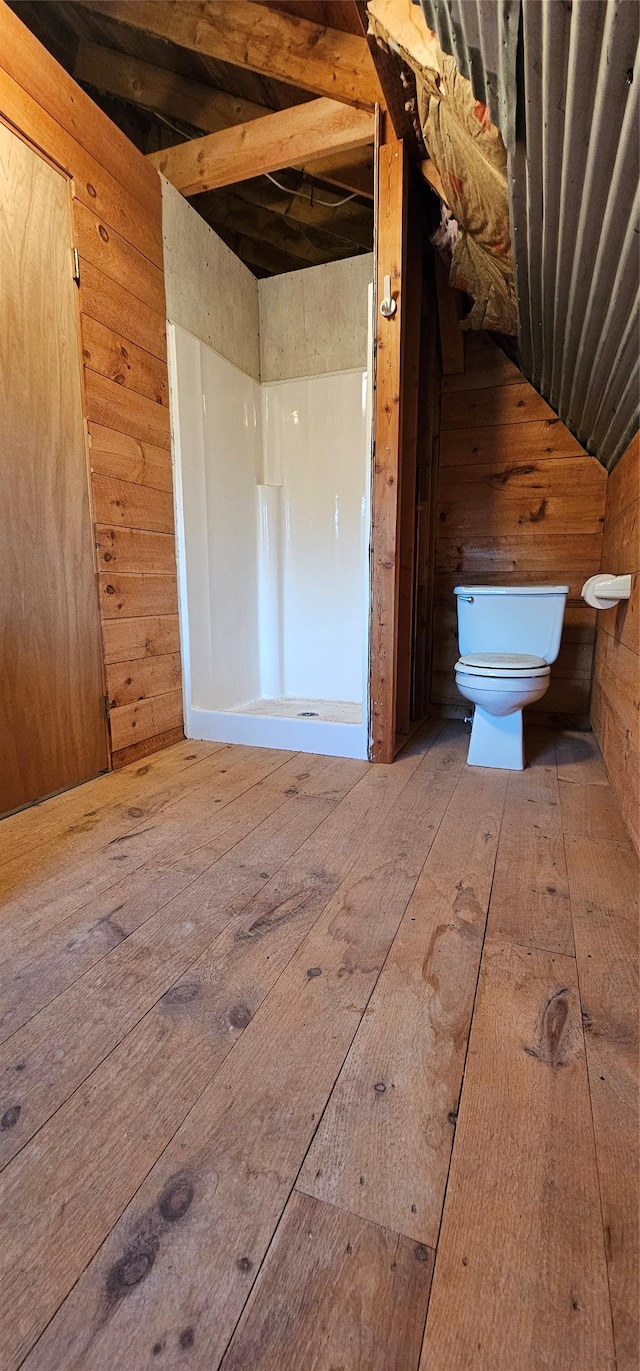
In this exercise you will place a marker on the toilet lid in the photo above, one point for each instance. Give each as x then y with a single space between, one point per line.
513 661
503 664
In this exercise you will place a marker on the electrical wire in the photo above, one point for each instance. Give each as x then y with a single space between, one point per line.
313 199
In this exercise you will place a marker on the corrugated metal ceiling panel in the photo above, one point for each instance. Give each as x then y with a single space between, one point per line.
574 194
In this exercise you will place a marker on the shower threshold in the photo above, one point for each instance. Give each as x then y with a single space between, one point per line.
286 707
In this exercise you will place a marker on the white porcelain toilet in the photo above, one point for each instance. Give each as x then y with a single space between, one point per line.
508 637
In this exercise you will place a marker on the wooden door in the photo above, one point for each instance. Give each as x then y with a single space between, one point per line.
52 727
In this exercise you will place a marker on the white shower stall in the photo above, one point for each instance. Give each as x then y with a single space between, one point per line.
272 480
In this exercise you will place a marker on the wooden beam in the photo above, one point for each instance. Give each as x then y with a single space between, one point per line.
279 46
268 144
156 88
391 254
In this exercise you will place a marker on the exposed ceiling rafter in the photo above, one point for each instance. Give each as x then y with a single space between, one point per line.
280 46
174 97
160 90
276 141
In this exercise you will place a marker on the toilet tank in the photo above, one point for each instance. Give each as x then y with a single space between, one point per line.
511 619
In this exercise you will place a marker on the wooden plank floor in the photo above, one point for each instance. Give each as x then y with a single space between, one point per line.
309 1065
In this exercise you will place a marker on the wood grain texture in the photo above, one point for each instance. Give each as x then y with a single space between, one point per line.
518 501
277 919
384 1144
126 640
530 897
536 440
157 88
564 494
34 70
115 407
128 459
492 405
391 254
522 1214
132 549
52 734
354 1296
118 229
135 722
321 128
304 54
100 191
120 310
76 818
615 713
131 681
123 362
177 937
191 948
123 503
604 884
116 258
127 595
148 747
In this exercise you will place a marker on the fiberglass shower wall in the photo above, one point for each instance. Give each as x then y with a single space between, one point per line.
272 489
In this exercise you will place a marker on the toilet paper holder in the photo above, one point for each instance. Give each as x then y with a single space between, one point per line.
604 590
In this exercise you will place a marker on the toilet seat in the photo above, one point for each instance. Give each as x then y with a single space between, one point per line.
502 664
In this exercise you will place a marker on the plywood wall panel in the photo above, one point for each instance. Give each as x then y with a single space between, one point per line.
615 707
519 501
117 216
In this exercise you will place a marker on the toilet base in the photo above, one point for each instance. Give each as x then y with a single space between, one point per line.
496 740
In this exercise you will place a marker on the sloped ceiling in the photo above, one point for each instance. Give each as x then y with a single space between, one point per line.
561 82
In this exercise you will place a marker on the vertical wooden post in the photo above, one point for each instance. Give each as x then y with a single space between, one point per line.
409 380
385 580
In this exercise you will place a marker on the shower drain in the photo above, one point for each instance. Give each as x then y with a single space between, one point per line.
308 714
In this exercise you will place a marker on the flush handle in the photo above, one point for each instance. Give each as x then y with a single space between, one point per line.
468 599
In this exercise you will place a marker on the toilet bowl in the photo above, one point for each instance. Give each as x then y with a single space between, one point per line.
499 671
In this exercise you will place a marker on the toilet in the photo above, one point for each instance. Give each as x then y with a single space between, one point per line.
508 636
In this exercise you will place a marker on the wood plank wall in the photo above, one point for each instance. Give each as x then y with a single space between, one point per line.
117 223
518 499
615 701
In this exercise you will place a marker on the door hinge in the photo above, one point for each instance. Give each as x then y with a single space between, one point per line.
105 705
76 266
